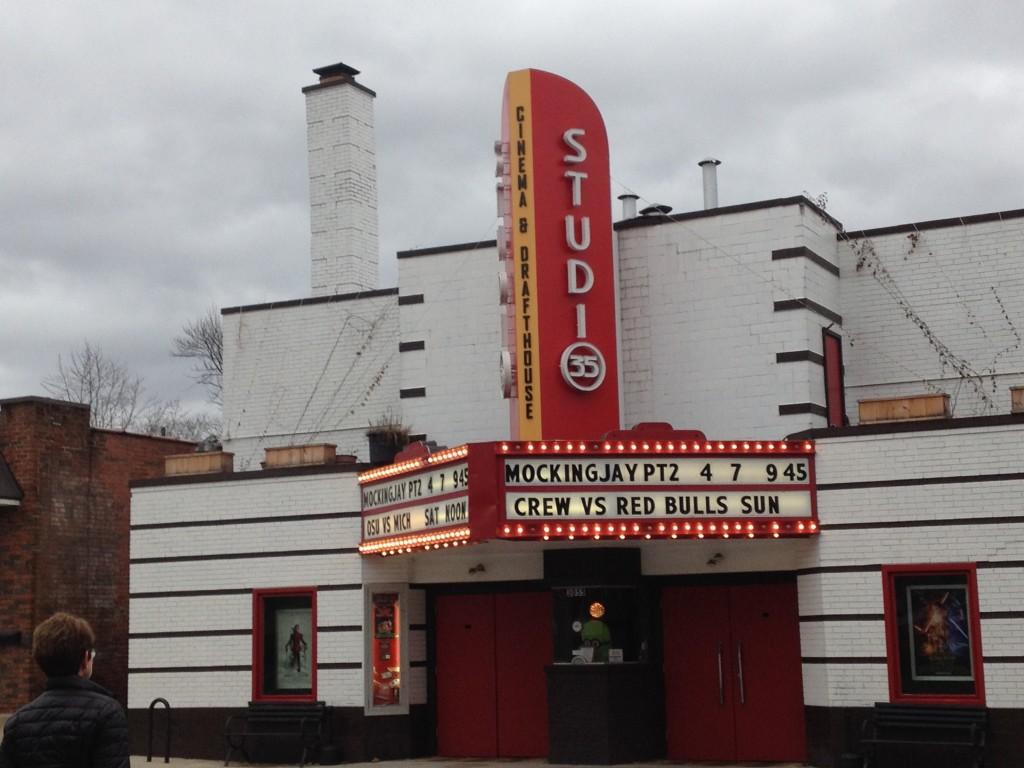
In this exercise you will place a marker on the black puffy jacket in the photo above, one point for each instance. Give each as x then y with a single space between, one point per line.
74 724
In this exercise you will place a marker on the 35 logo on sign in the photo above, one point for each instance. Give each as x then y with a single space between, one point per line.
583 366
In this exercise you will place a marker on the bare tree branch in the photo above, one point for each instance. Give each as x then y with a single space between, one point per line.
88 376
202 341
116 398
169 420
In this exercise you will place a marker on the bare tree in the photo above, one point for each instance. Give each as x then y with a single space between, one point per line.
169 420
202 341
117 399
88 376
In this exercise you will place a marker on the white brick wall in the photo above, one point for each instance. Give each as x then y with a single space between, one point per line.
190 689
845 685
911 456
319 372
699 330
202 502
342 189
459 322
964 284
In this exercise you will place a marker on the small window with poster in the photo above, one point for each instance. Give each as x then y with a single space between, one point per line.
386 650
284 644
933 634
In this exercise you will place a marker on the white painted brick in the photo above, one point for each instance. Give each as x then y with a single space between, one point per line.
342 189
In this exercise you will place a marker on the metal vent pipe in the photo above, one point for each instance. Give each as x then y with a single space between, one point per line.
628 205
710 167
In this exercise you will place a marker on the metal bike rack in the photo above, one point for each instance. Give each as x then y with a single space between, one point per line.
149 741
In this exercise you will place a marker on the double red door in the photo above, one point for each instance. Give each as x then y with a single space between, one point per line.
491 683
733 685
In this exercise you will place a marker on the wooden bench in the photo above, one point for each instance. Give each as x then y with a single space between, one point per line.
925 729
302 722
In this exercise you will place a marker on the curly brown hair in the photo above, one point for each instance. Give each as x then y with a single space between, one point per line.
60 643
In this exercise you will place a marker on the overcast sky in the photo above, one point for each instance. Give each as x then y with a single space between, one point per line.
153 155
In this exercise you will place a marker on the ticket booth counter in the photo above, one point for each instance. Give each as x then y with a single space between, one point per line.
605 697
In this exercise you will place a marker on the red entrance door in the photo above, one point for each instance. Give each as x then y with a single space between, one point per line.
733 687
491 684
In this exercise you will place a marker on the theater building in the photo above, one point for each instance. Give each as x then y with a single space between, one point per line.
714 482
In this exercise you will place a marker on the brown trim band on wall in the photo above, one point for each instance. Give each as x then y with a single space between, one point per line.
437 249
800 356
921 481
1000 564
803 252
254 474
190 633
339 665
227 632
945 522
411 346
866 568
844 660
164 670
793 409
230 591
877 567
243 521
190 593
244 555
800 303
899 427
412 392
417 627
412 298
353 296
1001 614
800 200
815 618
958 222
1003 659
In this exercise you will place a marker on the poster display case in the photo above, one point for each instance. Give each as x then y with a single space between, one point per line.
386 641
933 634
284 644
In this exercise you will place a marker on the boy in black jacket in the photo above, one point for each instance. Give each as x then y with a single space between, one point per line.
75 722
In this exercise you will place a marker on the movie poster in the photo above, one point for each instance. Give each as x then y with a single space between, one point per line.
293 635
940 640
387 680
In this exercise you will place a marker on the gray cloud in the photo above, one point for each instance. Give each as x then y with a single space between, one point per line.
153 154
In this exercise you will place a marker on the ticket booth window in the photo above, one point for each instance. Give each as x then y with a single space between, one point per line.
284 644
599 624
933 634
386 640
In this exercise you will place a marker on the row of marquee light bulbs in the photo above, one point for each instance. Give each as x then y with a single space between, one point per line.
725 529
595 531
568 446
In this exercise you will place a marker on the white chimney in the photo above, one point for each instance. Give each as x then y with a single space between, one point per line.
342 182
710 167
628 205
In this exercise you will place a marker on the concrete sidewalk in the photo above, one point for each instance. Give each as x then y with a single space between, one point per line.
139 761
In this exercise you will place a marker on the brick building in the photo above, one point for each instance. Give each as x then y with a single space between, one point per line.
64 500
882 368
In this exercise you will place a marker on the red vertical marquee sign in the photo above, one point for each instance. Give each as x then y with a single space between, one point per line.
555 242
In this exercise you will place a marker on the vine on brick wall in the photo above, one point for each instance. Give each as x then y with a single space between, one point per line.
983 382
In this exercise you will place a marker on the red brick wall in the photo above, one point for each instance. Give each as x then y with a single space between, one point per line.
66 546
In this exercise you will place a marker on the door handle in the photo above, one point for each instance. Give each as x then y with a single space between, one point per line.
721 679
739 665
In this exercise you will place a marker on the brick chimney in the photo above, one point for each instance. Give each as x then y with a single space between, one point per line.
342 182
